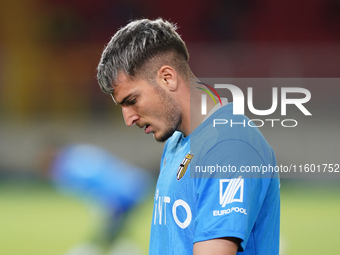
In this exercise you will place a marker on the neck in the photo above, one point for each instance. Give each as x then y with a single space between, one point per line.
191 109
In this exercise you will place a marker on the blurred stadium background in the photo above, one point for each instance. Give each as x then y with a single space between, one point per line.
49 51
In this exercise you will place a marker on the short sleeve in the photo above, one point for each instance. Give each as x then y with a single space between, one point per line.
229 204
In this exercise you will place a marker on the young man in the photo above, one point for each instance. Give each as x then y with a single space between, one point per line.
145 69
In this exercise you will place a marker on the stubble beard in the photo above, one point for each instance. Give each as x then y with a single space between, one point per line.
167 133
172 115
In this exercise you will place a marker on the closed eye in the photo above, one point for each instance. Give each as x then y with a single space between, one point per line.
129 100
132 101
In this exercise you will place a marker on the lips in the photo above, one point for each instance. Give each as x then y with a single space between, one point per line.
147 129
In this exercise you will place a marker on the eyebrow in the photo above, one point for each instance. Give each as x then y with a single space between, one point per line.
125 99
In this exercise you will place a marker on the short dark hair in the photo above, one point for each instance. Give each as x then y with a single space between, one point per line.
135 45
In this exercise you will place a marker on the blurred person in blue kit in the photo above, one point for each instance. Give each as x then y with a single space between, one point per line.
104 182
145 70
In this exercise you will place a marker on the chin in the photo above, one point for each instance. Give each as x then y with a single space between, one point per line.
164 136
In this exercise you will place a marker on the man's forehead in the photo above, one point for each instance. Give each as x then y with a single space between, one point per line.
120 78
111 94
123 87
114 86
125 79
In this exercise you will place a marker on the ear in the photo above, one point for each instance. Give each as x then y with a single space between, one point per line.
167 78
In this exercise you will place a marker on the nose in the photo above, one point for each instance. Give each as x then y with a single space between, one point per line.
130 116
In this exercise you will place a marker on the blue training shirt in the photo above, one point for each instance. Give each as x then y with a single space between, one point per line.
199 197
94 174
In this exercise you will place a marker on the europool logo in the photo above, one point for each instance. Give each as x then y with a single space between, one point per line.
239 99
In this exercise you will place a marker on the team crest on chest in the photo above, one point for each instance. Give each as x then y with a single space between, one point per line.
183 166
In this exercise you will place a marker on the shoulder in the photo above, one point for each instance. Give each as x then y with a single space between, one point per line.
227 137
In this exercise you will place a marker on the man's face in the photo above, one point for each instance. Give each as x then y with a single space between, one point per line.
147 106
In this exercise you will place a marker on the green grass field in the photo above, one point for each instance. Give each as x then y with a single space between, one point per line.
310 219
36 220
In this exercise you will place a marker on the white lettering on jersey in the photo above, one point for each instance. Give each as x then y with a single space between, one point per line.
228 196
159 208
186 223
161 202
166 201
229 210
